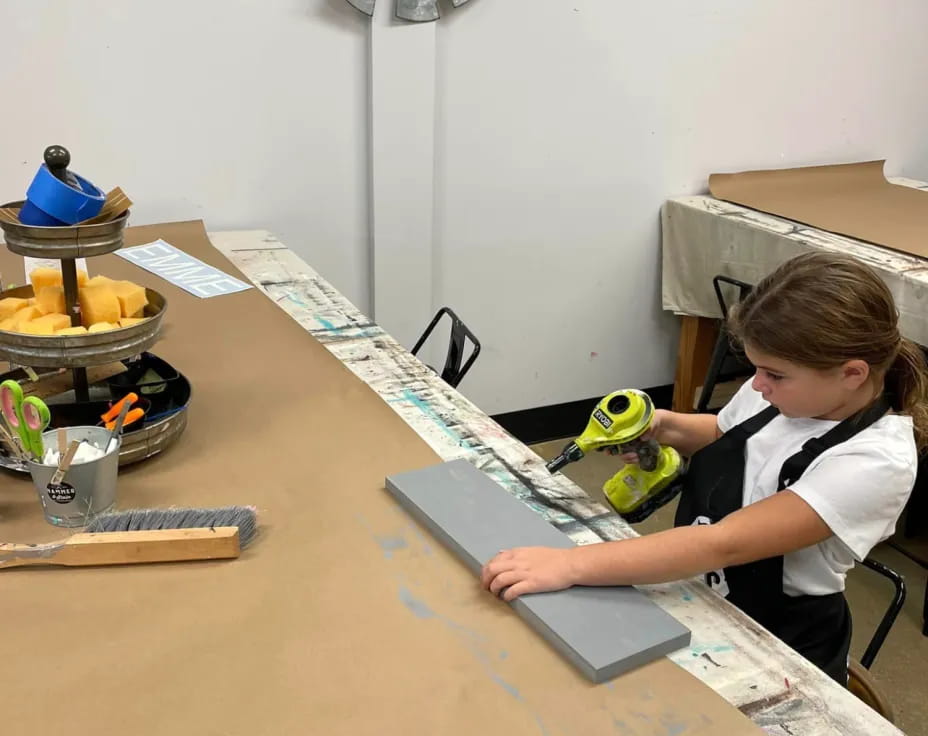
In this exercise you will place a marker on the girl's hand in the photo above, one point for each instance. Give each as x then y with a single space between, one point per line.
528 570
654 430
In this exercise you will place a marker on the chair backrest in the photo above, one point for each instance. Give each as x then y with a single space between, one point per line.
743 290
453 370
721 350
892 611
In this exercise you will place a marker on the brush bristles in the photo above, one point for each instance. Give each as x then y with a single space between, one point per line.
244 517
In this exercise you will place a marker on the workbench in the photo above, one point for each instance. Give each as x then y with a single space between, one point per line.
703 237
746 665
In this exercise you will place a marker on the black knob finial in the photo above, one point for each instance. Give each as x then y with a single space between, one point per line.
57 158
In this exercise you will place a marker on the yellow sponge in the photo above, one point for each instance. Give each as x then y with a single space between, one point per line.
99 281
131 297
101 327
79 330
129 321
6 324
46 325
42 277
98 304
50 300
23 316
11 305
46 276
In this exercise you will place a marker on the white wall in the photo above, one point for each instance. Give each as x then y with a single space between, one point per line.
563 126
246 114
558 130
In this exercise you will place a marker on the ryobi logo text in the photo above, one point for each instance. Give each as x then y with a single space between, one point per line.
600 416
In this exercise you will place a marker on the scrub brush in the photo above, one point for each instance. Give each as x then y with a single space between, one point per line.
145 535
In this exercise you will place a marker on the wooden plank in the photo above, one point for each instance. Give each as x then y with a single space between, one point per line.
603 632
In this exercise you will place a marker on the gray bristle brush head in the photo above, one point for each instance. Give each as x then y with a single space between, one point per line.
244 517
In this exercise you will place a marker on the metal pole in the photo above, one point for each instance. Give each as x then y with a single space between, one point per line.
72 305
73 310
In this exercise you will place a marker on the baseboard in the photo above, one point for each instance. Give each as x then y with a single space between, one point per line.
560 421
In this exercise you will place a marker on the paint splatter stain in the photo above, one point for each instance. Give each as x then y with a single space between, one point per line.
423 406
673 728
426 547
473 642
687 597
508 687
321 320
699 649
621 726
389 545
418 608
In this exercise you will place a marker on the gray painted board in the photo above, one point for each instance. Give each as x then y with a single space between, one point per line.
601 631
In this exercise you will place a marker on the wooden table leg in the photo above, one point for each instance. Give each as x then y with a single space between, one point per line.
697 339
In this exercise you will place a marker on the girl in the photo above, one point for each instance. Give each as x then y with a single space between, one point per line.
799 476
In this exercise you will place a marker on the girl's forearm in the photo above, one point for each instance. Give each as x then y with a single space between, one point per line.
687 433
663 557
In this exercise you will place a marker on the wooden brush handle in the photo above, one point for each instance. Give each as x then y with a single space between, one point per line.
125 548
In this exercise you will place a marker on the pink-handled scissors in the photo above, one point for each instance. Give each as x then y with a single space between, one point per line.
28 417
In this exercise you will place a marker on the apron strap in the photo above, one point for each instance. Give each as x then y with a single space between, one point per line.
796 465
753 425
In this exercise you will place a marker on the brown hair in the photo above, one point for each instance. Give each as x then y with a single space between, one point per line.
821 310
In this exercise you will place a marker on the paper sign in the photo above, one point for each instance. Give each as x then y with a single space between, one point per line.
30 264
183 270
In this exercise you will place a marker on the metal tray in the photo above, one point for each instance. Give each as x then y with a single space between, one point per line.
80 351
68 241
141 443
152 438
137 445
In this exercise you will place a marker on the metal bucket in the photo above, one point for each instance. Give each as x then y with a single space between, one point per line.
87 489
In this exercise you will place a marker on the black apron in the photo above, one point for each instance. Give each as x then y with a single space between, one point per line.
816 626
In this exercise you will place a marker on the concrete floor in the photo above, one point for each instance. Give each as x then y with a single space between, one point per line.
901 667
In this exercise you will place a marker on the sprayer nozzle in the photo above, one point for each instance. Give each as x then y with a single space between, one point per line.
570 454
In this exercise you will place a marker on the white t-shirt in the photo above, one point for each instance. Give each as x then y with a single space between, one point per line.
858 487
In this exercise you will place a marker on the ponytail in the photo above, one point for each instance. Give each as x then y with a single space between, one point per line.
907 381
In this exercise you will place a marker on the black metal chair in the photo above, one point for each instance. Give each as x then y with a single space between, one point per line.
453 370
860 682
917 527
722 352
892 612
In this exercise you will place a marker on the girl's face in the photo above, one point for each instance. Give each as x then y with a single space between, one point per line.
799 391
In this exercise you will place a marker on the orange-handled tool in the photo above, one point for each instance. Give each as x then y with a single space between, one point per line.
109 419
